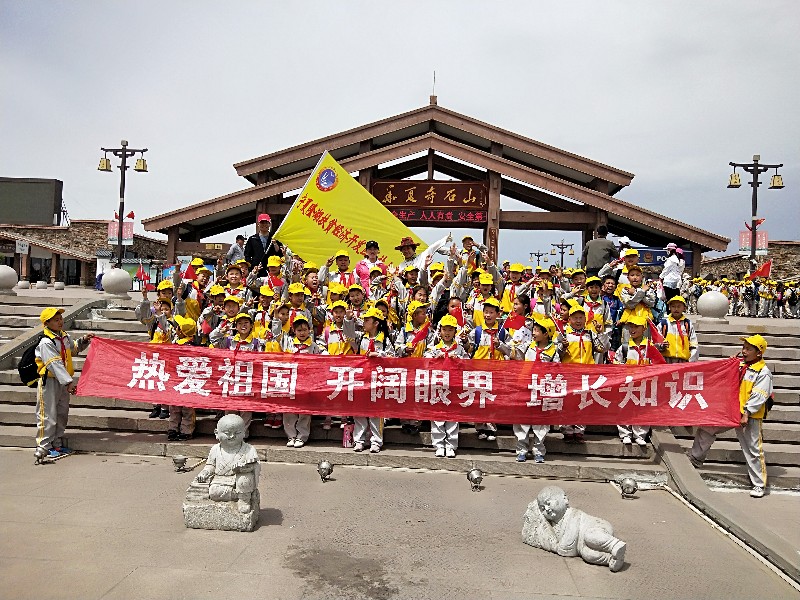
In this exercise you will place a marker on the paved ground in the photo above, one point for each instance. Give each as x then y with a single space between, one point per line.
779 510
111 527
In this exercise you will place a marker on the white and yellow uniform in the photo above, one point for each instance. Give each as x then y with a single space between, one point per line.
298 426
530 438
631 353
681 340
444 434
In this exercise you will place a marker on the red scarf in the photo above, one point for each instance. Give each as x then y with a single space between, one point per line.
492 333
447 351
346 278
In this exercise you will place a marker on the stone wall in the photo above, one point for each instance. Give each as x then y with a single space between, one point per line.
785 256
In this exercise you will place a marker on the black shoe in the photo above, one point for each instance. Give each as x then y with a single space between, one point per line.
164 414
182 437
172 435
413 430
155 412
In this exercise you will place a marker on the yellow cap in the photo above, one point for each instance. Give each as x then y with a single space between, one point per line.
437 266
342 253
592 280
357 287
197 262
492 302
242 263
546 322
310 266
296 288
631 252
230 298
187 326
516 268
410 267
166 301
233 267
415 304
165 284
638 320
339 304
757 341
204 269
274 261
448 321
50 312
265 290
300 318
486 279
577 308
376 269
577 272
634 268
375 313
242 315
216 290
677 299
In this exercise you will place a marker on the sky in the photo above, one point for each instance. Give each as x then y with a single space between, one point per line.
671 91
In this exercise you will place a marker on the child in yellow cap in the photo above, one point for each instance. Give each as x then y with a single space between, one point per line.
54 361
755 399
680 338
182 418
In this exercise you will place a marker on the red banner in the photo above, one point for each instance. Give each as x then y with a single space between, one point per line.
700 393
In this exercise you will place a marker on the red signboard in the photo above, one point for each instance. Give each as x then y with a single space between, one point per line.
428 202
699 393
127 233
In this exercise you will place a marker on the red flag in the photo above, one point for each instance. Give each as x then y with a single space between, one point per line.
421 334
130 215
141 274
189 273
763 271
149 287
654 355
655 334
116 216
458 313
758 224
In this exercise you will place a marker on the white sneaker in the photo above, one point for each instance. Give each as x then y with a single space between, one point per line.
627 440
290 443
757 492
491 437
375 448
439 453
298 443
450 453
641 441
359 447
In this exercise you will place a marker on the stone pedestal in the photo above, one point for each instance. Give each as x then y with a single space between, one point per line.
41 285
24 284
200 512
58 285
8 279
712 307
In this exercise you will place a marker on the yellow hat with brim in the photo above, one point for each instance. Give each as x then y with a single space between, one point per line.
233 267
516 268
50 312
265 290
492 302
216 290
341 253
274 261
339 304
242 315
297 288
230 298
677 299
756 341
187 326
545 322
486 279
376 269
197 262
410 267
448 321
577 272
204 269
310 266
165 284
635 268
437 266
355 287
593 280
577 308
631 252
166 301
467 237
416 304
637 320
541 269
375 314
301 318
336 288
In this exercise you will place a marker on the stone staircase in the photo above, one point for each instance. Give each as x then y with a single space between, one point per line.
781 430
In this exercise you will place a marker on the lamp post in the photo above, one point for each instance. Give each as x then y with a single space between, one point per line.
538 256
562 247
755 169
105 165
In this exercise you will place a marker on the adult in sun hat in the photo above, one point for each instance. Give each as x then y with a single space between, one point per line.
261 246
755 394
672 272
408 248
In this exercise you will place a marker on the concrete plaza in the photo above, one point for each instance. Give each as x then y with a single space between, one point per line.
110 526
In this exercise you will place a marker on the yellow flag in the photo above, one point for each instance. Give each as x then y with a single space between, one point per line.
334 212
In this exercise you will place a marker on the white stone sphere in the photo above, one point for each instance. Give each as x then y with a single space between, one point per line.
23 284
41 285
58 285
8 278
117 281
713 305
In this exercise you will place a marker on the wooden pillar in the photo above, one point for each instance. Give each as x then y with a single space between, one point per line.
491 232
430 163
172 245
25 266
83 269
54 267
365 176
697 258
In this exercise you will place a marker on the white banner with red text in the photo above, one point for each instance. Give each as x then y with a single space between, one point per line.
699 393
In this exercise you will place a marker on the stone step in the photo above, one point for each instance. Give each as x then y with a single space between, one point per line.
20 321
115 335
782 413
747 326
584 468
777 476
781 433
119 314
9 333
727 350
783 341
724 451
112 325
22 310
43 300
778 367
77 362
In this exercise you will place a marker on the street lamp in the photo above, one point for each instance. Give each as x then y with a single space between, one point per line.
539 256
755 168
105 165
562 247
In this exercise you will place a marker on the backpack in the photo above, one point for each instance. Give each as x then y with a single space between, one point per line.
697 292
659 310
502 333
749 292
27 368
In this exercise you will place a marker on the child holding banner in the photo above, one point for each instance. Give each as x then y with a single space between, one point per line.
182 418
296 426
444 434
530 438
636 351
373 341
412 340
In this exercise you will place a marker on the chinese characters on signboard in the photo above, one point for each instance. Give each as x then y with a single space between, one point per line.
424 202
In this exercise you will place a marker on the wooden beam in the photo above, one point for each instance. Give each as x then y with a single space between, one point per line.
409 168
562 221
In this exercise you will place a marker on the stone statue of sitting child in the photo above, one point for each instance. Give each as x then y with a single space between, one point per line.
230 476
552 525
